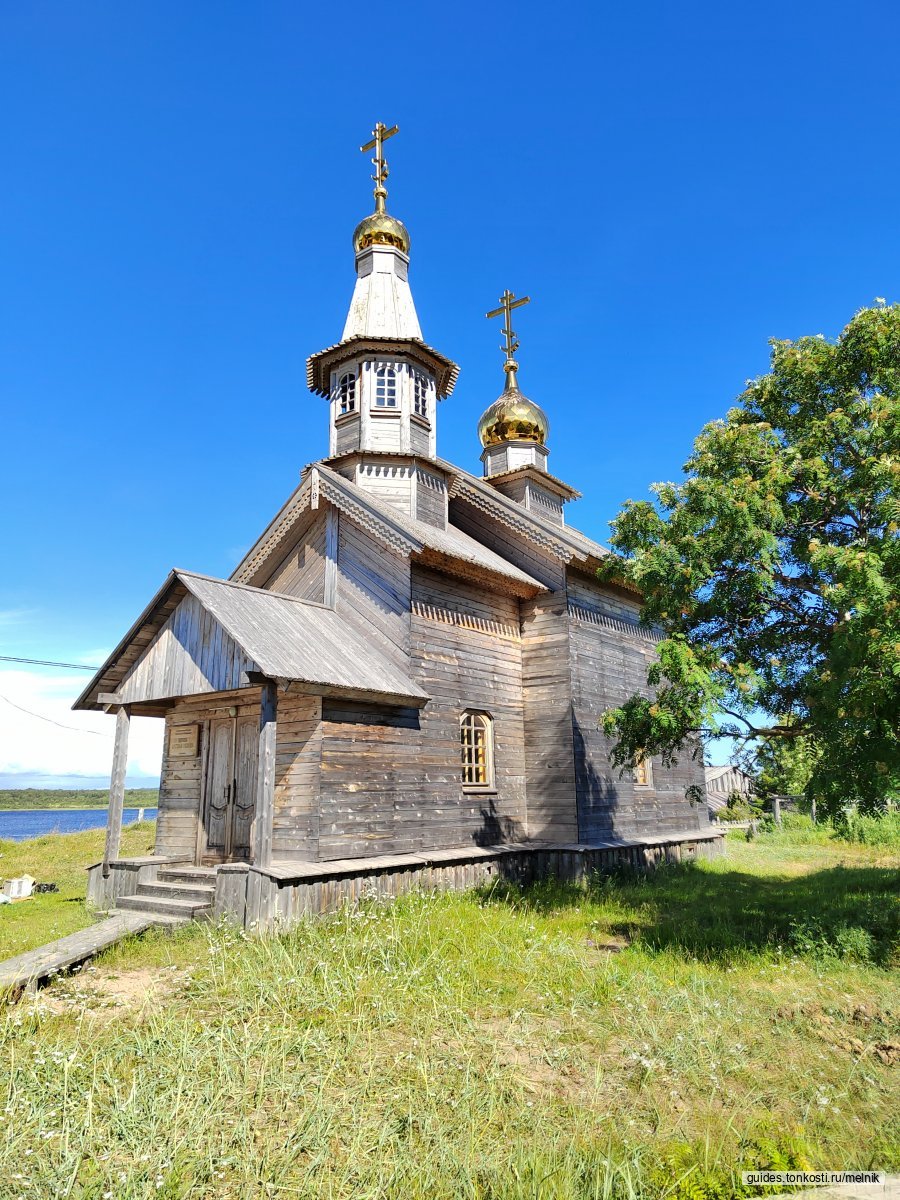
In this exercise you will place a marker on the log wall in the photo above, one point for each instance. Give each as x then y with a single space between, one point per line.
609 653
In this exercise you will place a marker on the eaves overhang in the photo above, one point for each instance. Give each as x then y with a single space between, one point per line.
319 366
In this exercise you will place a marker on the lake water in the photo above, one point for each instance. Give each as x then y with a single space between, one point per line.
21 823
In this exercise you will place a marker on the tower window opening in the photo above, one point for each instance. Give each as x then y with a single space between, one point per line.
476 735
386 385
347 393
420 394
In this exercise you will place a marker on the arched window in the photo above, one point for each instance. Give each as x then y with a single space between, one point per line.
643 773
386 385
420 394
347 393
476 736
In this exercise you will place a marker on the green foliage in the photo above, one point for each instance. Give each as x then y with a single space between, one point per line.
29 798
870 831
785 765
688 1172
773 572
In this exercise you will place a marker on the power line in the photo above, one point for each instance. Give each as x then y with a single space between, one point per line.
50 721
43 662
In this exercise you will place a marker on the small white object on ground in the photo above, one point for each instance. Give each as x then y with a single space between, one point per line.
18 889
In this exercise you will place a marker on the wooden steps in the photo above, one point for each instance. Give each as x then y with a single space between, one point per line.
27 971
185 892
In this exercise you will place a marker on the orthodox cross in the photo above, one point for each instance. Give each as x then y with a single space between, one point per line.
508 302
380 135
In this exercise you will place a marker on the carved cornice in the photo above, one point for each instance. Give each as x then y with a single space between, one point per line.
381 529
511 515
591 616
320 365
276 533
463 620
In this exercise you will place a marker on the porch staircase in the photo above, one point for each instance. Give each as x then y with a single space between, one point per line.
185 892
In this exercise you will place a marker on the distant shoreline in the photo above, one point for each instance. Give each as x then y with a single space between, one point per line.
29 799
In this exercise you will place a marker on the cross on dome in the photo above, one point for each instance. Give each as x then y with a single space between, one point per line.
380 135
380 229
508 302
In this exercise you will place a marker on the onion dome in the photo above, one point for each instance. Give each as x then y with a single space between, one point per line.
513 418
380 229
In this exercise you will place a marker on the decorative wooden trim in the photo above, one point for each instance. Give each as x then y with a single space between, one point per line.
275 534
389 535
515 520
452 616
630 628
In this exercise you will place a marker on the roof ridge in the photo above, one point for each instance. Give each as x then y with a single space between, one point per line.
249 587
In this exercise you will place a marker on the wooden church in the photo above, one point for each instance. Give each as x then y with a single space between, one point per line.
402 681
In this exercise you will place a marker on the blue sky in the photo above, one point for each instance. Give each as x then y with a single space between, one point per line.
672 184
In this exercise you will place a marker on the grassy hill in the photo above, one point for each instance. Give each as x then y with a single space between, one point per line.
649 1037
73 798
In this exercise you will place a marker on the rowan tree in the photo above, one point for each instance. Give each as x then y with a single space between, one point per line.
772 571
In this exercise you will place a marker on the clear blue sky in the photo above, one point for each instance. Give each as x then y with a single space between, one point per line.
672 184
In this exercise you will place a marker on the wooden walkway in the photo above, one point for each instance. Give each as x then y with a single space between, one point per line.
29 970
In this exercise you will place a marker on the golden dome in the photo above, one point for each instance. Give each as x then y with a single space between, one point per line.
381 229
513 418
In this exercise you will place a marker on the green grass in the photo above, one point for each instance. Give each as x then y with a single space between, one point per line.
28 798
481 1046
58 858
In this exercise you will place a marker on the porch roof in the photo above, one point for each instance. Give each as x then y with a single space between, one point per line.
279 636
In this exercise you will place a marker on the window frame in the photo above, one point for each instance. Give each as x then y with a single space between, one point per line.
421 394
387 377
471 721
347 395
643 772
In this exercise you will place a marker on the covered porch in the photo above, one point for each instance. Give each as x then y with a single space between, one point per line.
239 675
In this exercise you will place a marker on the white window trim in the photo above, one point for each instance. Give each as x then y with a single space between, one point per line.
353 394
397 368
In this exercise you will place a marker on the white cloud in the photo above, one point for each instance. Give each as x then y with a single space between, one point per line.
58 742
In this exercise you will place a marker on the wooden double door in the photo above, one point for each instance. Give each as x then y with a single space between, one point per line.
230 793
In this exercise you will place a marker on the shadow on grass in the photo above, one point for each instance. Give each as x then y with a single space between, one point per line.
840 912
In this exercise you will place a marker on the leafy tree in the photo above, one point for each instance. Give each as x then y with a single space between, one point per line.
772 571
785 765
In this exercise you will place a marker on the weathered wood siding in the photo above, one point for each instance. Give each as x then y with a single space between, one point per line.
546 681
419 437
191 653
467 654
347 434
431 499
391 778
298 748
547 699
301 571
373 589
385 431
609 655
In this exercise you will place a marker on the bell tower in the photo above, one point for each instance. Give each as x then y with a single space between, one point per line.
382 381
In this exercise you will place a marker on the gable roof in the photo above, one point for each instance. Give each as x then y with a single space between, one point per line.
449 548
285 637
